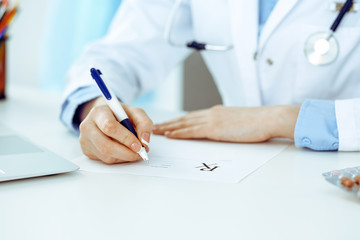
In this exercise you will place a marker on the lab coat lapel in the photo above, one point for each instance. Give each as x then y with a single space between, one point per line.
282 8
244 27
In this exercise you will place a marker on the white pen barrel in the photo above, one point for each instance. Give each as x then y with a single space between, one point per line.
115 106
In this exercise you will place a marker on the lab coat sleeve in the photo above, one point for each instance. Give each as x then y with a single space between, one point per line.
134 56
316 126
71 103
348 122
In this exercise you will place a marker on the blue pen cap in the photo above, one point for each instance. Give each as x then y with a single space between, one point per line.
95 74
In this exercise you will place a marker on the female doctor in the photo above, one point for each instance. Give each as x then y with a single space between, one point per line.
284 68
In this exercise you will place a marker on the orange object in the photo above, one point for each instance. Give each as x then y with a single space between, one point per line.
347 182
2 67
357 180
5 3
8 16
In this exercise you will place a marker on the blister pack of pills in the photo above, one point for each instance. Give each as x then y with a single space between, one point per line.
347 179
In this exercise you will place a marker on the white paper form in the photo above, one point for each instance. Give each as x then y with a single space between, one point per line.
194 160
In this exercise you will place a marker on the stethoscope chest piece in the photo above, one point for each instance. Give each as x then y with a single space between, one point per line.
321 48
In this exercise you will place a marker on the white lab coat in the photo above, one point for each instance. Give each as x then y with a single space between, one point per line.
135 56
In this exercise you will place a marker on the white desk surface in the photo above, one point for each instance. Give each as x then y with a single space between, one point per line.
285 199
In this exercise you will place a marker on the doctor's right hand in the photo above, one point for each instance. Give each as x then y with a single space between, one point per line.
103 138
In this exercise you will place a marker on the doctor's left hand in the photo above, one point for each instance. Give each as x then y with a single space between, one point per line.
233 124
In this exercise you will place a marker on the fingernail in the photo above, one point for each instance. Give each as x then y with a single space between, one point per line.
167 133
139 158
156 127
135 147
145 138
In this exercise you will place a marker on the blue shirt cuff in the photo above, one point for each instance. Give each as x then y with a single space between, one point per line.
316 126
73 101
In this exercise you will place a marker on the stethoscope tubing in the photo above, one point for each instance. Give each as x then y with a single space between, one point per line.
348 4
212 47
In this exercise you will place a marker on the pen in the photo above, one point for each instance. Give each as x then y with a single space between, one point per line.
6 18
115 107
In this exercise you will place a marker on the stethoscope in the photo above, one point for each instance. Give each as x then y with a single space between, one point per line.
321 48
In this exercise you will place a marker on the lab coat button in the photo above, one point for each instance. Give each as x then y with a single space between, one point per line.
255 56
306 141
335 145
270 62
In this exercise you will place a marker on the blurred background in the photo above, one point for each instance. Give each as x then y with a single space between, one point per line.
46 37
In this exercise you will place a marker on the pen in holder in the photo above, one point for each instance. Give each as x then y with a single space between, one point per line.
2 66
7 13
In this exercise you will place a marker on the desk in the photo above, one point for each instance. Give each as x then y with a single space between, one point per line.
287 198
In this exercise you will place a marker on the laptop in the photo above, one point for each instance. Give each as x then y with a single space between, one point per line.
20 158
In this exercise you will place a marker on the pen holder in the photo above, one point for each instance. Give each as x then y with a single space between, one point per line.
2 66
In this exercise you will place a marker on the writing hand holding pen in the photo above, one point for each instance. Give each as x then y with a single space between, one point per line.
103 138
